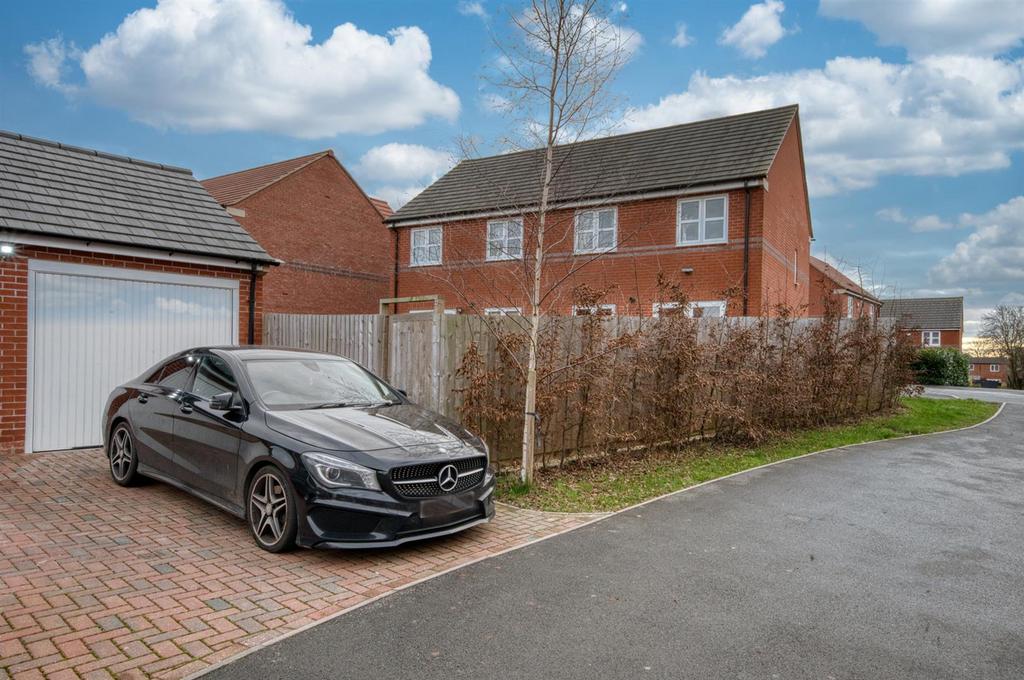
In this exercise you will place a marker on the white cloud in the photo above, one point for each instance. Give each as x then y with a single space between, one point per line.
472 9
391 162
757 30
992 257
892 215
47 62
212 65
981 27
863 118
682 38
494 103
397 196
930 223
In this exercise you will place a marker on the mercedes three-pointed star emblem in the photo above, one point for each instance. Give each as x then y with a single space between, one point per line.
448 477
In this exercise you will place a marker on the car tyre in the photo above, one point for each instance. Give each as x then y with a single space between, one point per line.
270 510
123 456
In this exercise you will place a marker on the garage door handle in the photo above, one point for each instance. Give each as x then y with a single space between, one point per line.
143 398
186 408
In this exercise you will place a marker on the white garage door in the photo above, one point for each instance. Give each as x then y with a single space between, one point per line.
93 328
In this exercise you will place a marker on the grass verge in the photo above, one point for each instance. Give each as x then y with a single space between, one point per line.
616 483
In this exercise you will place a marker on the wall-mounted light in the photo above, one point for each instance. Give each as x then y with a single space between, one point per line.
6 249
687 270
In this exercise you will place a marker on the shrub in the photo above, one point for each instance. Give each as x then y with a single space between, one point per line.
942 366
617 384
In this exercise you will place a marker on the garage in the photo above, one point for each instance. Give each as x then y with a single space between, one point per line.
92 328
107 265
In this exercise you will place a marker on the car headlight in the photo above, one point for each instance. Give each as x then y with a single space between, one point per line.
337 473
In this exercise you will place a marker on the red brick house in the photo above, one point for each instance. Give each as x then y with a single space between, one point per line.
831 288
107 265
930 322
719 206
337 256
986 370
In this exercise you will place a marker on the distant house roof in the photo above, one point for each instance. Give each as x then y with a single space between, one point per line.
841 280
677 157
926 313
989 360
235 187
382 207
51 189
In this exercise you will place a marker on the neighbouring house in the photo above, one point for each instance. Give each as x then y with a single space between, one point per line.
720 206
989 371
107 265
930 322
847 298
337 256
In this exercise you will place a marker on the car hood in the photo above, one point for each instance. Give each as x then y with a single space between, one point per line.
389 433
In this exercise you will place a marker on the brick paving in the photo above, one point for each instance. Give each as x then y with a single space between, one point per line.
97 580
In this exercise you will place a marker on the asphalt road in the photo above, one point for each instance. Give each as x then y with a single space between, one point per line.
900 559
1003 396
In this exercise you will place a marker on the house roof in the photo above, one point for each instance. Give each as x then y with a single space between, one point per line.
989 360
841 280
676 157
235 187
382 207
926 313
52 189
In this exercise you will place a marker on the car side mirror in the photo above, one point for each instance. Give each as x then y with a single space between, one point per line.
226 401
402 392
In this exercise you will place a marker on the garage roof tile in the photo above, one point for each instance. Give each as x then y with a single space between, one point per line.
48 188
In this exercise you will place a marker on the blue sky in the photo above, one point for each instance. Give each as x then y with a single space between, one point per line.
912 111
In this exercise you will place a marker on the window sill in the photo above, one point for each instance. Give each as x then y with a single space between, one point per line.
426 264
691 244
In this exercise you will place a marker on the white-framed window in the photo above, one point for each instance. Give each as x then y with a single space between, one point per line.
594 310
502 311
426 247
710 309
505 239
931 338
596 230
849 307
659 309
702 220
993 368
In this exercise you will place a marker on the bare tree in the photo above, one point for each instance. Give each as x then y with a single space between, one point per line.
558 59
1002 333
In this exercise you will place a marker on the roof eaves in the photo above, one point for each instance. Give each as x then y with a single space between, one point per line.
312 158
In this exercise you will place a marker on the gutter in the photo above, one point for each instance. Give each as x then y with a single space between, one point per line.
397 221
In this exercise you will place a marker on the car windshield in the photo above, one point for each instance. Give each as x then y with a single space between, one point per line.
316 383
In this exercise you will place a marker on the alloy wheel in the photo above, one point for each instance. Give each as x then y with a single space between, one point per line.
122 454
268 509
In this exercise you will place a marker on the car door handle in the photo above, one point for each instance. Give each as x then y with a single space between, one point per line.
186 408
143 398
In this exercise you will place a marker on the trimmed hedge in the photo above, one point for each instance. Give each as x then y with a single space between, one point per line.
942 366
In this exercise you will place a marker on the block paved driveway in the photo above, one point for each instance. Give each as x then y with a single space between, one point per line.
99 581
898 559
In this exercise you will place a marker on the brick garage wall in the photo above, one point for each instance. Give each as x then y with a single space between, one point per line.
646 247
14 320
787 229
338 254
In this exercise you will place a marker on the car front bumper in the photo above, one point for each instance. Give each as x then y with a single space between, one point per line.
361 519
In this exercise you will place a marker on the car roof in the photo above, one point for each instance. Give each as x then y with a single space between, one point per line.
249 352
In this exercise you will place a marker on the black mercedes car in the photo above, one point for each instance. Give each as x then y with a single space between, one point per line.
311 449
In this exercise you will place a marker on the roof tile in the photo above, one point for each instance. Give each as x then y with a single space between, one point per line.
51 189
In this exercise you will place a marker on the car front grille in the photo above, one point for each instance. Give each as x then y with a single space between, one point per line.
420 481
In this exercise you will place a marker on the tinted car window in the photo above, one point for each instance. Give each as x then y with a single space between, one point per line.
304 383
213 376
176 373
